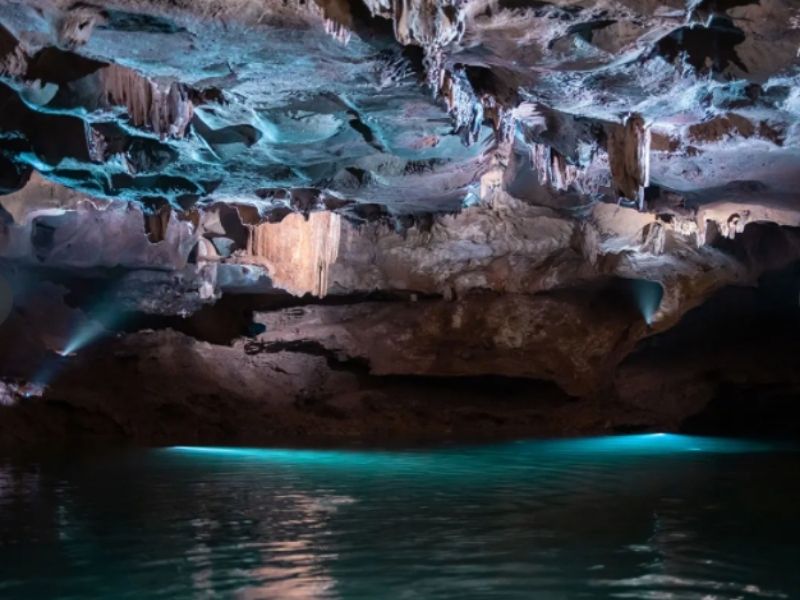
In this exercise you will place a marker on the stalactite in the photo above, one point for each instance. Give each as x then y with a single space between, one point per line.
654 237
629 158
502 119
167 110
96 144
336 18
156 225
465 106
462 103
338 32
297 251
428 23
434 25
552 168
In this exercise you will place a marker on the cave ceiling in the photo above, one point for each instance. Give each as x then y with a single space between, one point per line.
513 188
403 105
193 149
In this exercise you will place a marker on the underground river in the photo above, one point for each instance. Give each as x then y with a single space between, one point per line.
641 516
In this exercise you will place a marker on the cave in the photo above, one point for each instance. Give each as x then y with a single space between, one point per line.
399 299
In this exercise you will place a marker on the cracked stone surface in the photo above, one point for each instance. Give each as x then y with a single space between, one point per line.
413 189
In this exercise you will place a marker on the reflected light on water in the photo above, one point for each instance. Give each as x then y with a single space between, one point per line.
651 443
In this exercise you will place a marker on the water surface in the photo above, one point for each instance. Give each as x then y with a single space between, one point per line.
653 516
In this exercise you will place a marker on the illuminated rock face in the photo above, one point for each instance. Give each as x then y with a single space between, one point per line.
475 188
298 252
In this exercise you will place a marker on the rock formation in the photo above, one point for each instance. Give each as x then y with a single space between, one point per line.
298 213
298 252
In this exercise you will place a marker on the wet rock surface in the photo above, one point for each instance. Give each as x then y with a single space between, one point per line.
345 220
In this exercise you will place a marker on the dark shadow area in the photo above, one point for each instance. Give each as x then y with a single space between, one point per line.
118 20
732 362
705 47
749 410
631 299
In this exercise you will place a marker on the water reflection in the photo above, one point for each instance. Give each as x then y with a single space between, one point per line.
636 517
290 565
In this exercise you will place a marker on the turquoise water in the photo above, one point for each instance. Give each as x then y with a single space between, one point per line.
646 516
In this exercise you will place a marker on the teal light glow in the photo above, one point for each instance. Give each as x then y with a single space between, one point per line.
327 457
658 443
609 446
101 320
648 296
85 335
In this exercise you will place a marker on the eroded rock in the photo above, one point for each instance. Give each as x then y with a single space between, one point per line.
391 189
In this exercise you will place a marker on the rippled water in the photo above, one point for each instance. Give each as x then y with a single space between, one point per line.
627 517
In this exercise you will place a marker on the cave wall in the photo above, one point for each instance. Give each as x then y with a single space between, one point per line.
270 208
